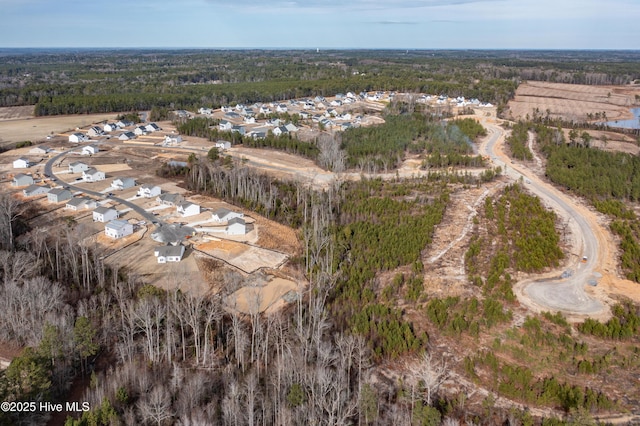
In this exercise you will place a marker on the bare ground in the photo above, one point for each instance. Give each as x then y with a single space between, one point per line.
17 125
444 260
573 101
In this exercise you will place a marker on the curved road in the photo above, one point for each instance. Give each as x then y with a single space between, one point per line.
556 294
48 171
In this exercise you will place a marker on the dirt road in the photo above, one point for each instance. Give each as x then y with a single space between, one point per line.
555 291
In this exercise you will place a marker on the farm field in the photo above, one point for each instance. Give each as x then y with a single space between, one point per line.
572 102
18 124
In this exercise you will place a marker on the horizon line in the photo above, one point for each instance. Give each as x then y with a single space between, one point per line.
320 49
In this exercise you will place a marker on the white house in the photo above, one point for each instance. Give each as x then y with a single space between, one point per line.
58 195
250 120
236 226
140 131
281 108
104 214
172 139
123 183
291 127
77 137
93 175
40 150
225 125
205 111
187 208
21 163
34 190
77 203
169 199
149 191
152 127
126 136
223 215
223 145
169 253
265 110
118 229
280 131
90 150
124 123
77 167
22 180
95 131
110 127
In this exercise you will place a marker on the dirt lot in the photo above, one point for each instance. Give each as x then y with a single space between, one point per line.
245 257
573 101
17 124
267 298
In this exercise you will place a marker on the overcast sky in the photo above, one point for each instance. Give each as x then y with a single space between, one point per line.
401 24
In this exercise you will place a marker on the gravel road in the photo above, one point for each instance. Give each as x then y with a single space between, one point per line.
553 292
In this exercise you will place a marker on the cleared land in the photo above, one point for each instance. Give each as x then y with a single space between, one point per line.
17 124
268 298
573 101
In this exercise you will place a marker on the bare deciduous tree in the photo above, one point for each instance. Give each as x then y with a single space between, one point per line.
156 406
10 210
331 157
430 374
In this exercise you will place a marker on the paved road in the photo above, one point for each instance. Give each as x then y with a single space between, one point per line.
48 171
556 294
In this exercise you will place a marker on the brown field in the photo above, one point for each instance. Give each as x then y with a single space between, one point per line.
18 124
573 101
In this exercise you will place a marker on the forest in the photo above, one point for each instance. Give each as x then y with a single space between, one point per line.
60 82
384 147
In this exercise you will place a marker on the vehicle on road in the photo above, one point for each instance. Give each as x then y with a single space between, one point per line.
584 259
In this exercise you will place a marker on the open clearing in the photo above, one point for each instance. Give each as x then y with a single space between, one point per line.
268 298
244 257
17 125
573 101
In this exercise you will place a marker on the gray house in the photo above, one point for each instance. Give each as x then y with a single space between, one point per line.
170 199
123 183
34 190
77 203
127 136
21 180
58 195
169 253
77 167
104 214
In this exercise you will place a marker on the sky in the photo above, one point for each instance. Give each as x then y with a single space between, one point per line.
311 24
